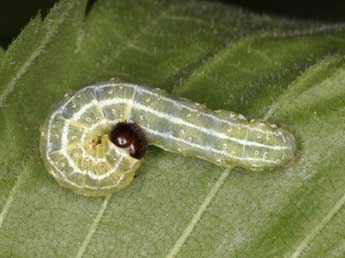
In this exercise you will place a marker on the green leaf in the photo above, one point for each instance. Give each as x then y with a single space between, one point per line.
289 72
2 53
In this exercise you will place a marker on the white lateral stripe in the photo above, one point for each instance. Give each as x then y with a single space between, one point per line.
208 148
86 185
177 120
81 111
64 134
112 170
139 88
181 105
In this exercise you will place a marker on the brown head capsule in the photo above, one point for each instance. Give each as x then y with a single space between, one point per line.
129 135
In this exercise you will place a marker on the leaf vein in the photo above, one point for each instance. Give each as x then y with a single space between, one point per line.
93 227
197 216
316 230
10 198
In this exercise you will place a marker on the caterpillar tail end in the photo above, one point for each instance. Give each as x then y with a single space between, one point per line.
289 141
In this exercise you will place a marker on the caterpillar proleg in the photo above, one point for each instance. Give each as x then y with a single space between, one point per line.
79 150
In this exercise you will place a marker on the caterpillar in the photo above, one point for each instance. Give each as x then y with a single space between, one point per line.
94 140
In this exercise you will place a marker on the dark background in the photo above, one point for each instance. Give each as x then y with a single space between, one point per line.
14 14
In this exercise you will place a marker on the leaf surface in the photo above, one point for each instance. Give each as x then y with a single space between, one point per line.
289 72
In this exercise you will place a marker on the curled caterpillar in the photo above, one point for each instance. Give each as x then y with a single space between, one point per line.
94 141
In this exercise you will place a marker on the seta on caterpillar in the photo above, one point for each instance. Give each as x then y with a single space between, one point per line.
94 141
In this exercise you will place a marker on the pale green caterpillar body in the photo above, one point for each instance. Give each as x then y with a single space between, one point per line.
79 155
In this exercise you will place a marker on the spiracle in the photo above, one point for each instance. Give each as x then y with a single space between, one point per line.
95 140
